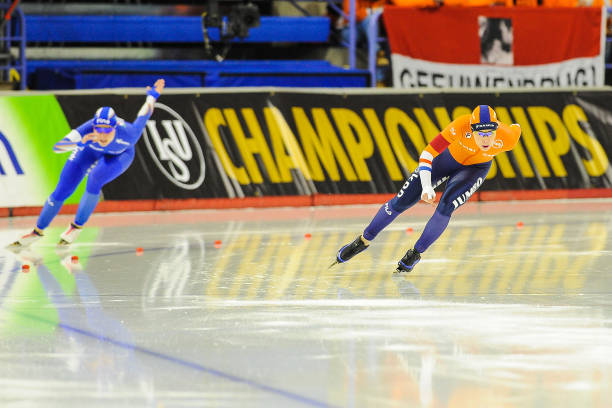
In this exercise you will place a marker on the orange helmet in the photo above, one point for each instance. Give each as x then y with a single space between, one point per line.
483 119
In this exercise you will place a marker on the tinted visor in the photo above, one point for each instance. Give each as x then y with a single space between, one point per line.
104 129
483 133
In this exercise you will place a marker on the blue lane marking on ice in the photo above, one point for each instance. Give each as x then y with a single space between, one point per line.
9 284
184 363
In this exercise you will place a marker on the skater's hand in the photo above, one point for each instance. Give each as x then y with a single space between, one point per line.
89 137
158 86
429 196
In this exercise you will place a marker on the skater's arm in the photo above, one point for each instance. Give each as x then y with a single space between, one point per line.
72 139
428 195
433 149
147 109
514 136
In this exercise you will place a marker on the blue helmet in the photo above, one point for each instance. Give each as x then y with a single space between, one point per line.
483 119
105 120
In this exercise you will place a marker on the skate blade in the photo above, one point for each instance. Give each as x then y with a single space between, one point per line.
15 246
63 242
335 263
62 250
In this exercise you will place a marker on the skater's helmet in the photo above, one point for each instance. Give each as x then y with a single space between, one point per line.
105 120
483 119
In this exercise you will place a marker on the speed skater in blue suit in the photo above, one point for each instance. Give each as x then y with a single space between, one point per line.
102 149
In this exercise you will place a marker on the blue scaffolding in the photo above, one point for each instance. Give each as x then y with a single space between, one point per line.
12 38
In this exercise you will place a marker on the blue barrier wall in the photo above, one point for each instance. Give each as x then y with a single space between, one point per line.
166 29
95 74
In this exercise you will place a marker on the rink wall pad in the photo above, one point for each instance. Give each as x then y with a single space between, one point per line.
271 147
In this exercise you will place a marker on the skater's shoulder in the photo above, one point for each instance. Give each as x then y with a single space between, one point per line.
509 133
461 121
457 128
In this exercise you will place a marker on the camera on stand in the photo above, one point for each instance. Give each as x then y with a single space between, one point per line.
241 19
237 23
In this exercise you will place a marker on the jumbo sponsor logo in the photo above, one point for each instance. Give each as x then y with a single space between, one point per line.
462 199
8 158
174 148
342 143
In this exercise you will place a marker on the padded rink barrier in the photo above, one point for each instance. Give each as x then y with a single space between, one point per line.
236 148
167 29
97 74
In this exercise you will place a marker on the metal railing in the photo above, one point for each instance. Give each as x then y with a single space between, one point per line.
13 35
608 40
350 17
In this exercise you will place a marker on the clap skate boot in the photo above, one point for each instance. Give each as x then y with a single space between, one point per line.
409 261
350 250
71 233
27 239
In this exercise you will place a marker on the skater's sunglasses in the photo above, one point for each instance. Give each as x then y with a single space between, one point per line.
485 134
104 129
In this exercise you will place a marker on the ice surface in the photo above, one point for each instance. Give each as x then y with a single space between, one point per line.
493 316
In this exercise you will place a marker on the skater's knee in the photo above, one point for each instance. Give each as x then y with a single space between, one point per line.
93 186
398 205
446 208
401 203
60 194
409 194
457 195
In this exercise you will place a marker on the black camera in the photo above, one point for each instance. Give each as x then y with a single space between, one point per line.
236 23
242 18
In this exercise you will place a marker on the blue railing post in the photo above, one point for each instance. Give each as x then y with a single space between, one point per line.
15 23
373 45
22 50
352 34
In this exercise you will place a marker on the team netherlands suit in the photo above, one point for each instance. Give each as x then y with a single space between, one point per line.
453 156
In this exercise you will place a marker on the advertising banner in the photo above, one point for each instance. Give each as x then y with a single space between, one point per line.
254 144
29 170
304 143
496 47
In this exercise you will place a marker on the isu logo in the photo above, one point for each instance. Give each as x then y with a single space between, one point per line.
175 149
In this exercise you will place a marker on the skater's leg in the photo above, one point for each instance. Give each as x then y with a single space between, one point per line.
460 188
107 169
73 172
408 196
434 228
